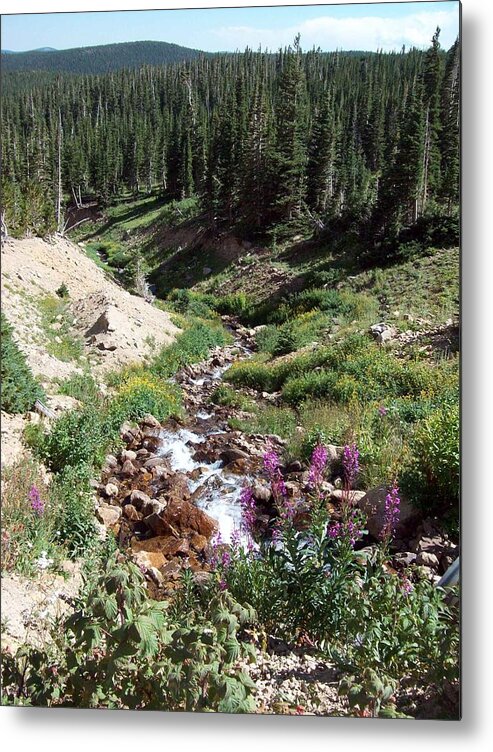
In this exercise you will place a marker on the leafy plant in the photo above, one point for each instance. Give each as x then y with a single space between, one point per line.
19 389
120 649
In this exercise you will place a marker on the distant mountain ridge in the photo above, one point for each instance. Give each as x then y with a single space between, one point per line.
98 59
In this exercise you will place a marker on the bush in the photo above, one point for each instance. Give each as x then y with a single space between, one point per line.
145 393
433 479
80 386
19 389
73 502
120 649
78 437
191 346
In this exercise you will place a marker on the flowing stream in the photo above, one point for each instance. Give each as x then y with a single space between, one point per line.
214 489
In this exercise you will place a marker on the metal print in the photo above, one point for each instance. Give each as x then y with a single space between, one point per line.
230 360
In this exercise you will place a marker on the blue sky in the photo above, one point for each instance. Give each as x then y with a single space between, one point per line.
361 26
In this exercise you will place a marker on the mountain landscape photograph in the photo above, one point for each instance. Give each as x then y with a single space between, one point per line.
230 360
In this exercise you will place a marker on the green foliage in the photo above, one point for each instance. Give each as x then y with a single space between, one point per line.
80 386
72 498
78 437
120 649
19 390
433 478
57 323
62 291
191 346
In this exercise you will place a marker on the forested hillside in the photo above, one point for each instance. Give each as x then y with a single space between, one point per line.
98 59
270 144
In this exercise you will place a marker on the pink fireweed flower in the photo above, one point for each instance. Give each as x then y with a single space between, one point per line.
37 505
382 410
225 559
249 509
406 585
392 512
271 463
349 529
350 463
223 585
317 467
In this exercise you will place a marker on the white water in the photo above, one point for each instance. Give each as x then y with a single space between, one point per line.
220 497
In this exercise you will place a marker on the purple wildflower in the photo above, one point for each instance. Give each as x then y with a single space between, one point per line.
225 559
271 464
235 539
249 508
37 505
350 463
392 512
382 410
334 530
223 585
406 585
349 529
318 462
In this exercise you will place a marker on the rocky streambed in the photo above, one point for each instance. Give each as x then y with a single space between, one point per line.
176 487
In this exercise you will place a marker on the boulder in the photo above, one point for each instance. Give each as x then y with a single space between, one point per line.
372 503
428 560
354 497
139 498
109 516
199 542
129 468
231 454
110 490
262 492
148 559
111 461
180 518
131 513
128 454
151 421
155 462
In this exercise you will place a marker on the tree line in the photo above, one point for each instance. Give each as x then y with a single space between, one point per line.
269 143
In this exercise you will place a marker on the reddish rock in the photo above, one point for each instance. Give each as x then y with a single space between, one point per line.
181 518
155 461
354 497
199 542
164 544
150 420
131 513
149 559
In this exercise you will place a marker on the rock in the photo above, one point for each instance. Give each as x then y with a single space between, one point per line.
262 492
294 467
406 558
231 454
181 518
373 505
150 420
148 559
167 545
128 468
128 454
199 542
154 506
109 516
131 513
155 461
138 499
111 461
171 570
354 497
143 454
428 560
111 489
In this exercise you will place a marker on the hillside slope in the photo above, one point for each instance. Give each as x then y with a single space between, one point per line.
99 59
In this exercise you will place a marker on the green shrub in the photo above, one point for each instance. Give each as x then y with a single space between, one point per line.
80 386
73 501
143 393
120 649
19 389
433 479
191 346
78 437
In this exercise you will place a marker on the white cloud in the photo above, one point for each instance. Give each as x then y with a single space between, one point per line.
368 33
